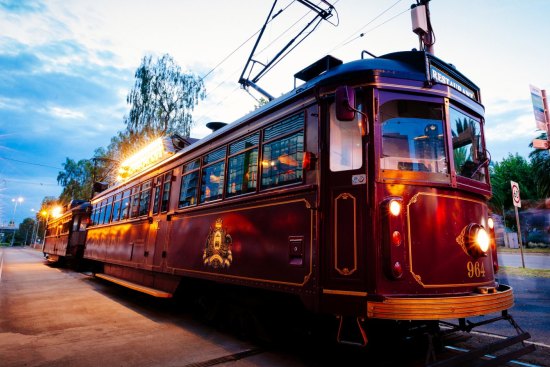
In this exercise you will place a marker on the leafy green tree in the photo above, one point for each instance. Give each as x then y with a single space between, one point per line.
24 233
163 98
512 168
76 180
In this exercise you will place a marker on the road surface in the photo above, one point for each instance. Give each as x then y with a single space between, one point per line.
57 317
532 261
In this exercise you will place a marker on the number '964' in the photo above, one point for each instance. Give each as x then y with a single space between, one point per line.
475 270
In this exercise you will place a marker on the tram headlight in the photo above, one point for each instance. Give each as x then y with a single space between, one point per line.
482 239
491 223
478 240
395 208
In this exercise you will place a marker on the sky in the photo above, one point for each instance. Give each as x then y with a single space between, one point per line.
67 66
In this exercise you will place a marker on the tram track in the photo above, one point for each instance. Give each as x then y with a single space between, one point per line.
227 358
540 357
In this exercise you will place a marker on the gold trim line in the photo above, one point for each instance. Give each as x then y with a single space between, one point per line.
344 293
137 287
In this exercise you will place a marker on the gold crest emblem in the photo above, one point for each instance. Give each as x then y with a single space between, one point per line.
217 250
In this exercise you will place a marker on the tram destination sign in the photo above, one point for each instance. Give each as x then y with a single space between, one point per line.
441 77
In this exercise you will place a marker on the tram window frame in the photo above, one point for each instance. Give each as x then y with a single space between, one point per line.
65 227
117 206
76 223
240 174
213 169
134 202
144 198
157 188
346 141
125 208
166 191
190 174
477 154
414 169
279 133
108 210
93 217
101 214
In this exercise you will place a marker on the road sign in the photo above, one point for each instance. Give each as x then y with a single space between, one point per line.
515 194
538 107
540 144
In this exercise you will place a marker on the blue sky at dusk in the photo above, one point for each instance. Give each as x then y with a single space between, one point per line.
66 67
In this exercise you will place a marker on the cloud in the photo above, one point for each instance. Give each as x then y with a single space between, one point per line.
20 7
66 113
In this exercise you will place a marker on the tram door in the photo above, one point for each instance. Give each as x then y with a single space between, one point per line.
345 192
159 228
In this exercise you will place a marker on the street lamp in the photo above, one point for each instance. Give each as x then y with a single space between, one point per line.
19 200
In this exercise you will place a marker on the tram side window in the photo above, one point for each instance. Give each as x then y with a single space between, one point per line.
243 166
145 198
189 184
468 153
94 215
65 228
108 208
282 157
413 136
116 207
156 194
101 214
125 205
346 148
134 202
76 223
212 179
166 192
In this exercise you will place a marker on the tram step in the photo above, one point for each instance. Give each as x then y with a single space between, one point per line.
137 287
467 359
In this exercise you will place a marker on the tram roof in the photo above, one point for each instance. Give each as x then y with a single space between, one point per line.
409 65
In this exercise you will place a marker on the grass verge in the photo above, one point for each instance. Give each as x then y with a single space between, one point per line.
526 272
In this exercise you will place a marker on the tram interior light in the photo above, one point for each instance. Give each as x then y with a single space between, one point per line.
147 156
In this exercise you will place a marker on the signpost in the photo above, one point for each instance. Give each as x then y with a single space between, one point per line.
542 116
516 199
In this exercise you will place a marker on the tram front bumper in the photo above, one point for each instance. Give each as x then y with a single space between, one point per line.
440 308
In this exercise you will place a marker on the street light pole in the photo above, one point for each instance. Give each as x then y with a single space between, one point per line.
18 200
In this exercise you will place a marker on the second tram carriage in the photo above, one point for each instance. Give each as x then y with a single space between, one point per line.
363 192
65 235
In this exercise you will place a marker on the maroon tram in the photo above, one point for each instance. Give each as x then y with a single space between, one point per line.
66 234
363 192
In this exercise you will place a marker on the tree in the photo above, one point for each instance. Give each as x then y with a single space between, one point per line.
76 180
162 99
513 168
24 233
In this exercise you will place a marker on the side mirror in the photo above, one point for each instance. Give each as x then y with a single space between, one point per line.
345 103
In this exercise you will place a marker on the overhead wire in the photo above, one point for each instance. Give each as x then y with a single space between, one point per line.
350 39
240 46
245 42
30 163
